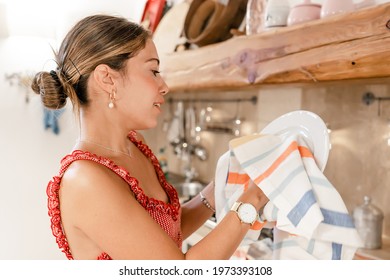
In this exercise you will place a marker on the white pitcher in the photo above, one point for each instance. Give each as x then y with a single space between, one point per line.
276 13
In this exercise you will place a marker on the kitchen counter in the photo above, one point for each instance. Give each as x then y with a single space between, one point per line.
361 254
375 254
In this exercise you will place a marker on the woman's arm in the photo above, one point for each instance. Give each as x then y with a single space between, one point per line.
195 213
101 206
224 239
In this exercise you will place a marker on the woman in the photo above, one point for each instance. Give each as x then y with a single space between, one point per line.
110 199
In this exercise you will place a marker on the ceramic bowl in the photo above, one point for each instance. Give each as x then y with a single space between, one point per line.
304 12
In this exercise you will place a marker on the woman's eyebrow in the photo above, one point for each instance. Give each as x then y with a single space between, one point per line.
153 59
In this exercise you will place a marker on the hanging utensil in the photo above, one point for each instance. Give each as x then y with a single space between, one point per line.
167 118
236 128
191 124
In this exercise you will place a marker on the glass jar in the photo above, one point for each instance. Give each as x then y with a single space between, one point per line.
368 221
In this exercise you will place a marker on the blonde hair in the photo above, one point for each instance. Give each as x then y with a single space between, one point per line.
97 39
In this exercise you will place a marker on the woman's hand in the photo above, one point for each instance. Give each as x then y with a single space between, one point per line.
254 195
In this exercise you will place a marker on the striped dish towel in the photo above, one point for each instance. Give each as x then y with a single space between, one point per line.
308 215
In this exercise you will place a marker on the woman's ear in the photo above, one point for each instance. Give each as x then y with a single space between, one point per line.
104 77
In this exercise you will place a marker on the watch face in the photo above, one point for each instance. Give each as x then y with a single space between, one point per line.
247 213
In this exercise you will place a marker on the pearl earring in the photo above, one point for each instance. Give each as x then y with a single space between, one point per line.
112 99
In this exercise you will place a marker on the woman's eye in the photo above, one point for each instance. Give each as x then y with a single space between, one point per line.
155 72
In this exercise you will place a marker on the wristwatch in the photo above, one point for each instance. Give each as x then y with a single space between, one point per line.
246 212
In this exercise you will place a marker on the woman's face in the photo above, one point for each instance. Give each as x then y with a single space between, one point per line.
140 92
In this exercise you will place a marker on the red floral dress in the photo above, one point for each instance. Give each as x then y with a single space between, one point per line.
167 215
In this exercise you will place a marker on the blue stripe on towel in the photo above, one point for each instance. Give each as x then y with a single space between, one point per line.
285 243
300 210
227 173
336 251
310 246
337 218
320 181
274 214
279 189
259 157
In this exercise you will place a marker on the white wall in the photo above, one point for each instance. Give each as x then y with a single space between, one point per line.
30 155
3 22
50 19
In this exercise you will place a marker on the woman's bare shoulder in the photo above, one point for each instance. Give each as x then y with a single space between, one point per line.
85 178
82 171
102 206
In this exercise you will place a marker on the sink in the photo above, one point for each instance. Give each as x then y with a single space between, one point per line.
189 189
185 188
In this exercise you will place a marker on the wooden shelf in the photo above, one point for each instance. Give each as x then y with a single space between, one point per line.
348 46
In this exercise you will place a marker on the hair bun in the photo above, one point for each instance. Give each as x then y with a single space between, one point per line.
48 85
54 75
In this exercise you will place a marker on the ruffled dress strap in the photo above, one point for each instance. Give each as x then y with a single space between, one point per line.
159 210
147 202
53 195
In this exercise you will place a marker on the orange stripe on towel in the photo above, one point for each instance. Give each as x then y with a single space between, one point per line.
305 152
237 178
291 148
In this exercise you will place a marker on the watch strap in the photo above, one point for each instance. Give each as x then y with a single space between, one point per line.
235 206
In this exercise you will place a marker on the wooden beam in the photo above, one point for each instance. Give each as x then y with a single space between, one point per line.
354 45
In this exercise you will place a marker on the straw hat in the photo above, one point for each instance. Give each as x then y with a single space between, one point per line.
209 21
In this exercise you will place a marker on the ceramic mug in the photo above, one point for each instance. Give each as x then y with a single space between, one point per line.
276 13
332 7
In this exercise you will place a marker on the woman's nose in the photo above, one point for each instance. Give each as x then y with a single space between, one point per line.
164 89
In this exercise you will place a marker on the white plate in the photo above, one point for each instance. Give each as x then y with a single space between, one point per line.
310 126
